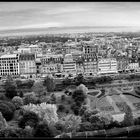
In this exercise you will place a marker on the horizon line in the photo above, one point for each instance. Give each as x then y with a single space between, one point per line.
100 26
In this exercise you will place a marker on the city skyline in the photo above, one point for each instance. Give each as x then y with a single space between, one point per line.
24 15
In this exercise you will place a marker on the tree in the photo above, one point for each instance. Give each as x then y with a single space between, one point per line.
18 83
7 109
67 81
49 83
10 88
43 130
63 97
79 79
17 101
128 117
83 88
38 89
29 119
80 94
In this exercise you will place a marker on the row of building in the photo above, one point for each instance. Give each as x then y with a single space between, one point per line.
88 58
30 66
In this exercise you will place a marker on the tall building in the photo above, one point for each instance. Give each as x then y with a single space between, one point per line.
38 67
90 66
107 66
79 64
9 65
90 58
27 65
69 65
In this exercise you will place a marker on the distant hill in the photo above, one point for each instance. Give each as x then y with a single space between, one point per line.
74 29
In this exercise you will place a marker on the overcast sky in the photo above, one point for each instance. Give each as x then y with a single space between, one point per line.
56 14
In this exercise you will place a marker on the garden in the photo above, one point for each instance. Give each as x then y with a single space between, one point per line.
43 113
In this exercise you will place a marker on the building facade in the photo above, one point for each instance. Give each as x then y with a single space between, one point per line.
90 66
107 66
52 64
9 65
27 65
69 65
122 63
90 51
133 64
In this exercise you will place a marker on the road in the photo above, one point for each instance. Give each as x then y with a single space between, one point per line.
134 83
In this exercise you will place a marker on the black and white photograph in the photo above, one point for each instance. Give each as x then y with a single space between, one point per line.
69 70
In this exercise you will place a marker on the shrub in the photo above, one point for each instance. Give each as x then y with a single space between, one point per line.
85 126
79 79
14 132
67 111
114 124
17 101
28 132
94 119
61 108
88 113
53 98
106 119
83 109
9 132
7 109
30 99
71 123
18 83
21 94
137 121
42 130
63 97
43 99
28 83
59 126
3 97
75 109
28 119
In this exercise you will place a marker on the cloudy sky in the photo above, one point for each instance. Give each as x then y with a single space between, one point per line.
60 14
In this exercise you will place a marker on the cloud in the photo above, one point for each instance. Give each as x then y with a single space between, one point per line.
55 14
45 25
65 10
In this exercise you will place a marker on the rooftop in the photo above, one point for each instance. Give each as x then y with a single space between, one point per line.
8 56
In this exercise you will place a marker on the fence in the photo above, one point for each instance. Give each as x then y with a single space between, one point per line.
131 131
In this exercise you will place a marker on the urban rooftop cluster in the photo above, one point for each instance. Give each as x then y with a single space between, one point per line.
98 56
